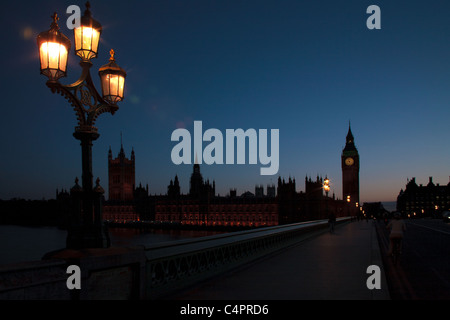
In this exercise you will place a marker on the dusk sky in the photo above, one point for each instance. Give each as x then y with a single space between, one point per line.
306 68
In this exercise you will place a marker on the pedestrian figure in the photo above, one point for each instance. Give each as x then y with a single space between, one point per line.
397 227
331 222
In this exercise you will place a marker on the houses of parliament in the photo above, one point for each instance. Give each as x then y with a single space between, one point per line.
280 204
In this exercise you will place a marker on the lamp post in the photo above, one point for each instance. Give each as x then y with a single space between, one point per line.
86 229
326 187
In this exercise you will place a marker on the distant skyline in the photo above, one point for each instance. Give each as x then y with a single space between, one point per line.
306 68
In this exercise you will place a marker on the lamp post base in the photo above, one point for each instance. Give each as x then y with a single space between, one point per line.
93 236
87 229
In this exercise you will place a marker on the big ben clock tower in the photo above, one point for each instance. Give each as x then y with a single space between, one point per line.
350 171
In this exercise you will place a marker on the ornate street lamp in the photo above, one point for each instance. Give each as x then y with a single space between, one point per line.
86 229
326 185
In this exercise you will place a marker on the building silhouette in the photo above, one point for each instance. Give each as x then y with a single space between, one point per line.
121 175
419 200
125 202
259 191
350 171
197 187
202 207
173 190
271 191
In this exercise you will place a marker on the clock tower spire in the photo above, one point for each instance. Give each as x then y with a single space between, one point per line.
350 171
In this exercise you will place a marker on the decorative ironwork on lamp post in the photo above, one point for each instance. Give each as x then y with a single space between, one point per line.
86 229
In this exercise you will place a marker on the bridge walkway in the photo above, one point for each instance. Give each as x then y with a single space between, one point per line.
329 266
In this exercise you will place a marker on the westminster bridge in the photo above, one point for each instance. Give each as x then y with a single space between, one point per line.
171 270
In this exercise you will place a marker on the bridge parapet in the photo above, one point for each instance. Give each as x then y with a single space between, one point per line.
150 272
174 265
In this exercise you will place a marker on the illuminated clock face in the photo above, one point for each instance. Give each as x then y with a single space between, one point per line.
349 161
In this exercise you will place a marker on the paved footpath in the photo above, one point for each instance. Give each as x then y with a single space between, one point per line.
324 267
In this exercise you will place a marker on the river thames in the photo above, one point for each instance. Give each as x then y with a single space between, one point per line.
21 244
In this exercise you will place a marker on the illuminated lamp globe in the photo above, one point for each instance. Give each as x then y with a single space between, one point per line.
112 78
53 48
87 36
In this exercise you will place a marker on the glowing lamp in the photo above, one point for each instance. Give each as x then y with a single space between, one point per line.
112 78
53 51
326 185
87 36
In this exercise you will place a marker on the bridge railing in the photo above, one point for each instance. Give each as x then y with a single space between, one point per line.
149 272
172 266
